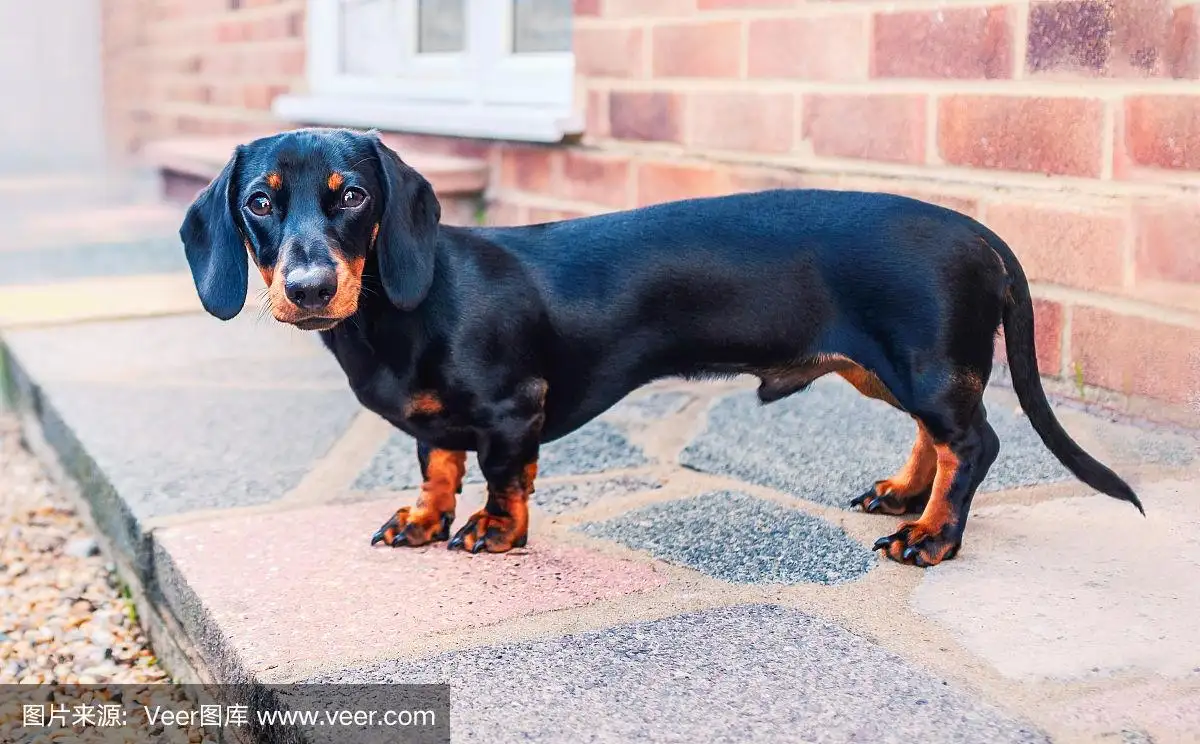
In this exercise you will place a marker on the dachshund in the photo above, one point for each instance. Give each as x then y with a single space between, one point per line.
495 340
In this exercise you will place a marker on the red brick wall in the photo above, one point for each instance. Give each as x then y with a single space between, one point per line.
201 67
1072 127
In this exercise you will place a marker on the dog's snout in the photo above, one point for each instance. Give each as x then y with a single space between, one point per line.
311 287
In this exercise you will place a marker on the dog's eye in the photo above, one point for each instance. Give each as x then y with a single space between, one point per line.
353 197
260 205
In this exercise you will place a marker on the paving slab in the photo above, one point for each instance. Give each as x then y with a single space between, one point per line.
594 448
1076 588
830 443
560 498
108 298
737 674
180 414
739 538
305 587
52 264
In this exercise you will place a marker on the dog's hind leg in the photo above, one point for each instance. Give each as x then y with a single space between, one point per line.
965 446
906 491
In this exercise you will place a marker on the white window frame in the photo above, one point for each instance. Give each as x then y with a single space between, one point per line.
487 91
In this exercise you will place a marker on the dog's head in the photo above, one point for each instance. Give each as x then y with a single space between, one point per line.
310 208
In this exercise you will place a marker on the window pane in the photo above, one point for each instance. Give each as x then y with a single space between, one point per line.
368 37
441 26
541 26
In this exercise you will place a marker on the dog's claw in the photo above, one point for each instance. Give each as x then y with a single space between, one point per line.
909 553
378 537
478 546
399 540
861 499
882 543
456 542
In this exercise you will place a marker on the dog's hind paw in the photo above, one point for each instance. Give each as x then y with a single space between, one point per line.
413 527
914 545
872 502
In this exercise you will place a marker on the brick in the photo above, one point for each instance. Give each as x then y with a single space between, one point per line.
1058 136
647 116
698 50
874 127
527 168
822 48
662 182
1163 131
1183 43
1099 37
757 122
946 43
959 203
586 7
259 97
659 8
597 114
609 52
1166 242
595 178
761 179
1136 356
538 215
1075 248
1047 338
740 4
505 214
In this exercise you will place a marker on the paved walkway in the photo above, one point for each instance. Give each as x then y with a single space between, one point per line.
692 575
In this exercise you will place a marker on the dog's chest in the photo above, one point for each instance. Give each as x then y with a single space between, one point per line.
420 411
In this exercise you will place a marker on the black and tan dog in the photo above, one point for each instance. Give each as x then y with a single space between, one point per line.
495 340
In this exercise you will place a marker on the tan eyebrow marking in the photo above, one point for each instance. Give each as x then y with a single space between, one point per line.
335 181
274 180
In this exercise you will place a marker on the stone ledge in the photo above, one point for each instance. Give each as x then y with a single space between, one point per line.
189 164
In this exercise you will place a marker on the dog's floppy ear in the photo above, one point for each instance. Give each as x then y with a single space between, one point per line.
408 230
214 245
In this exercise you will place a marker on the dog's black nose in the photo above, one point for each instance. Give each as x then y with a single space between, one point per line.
310 287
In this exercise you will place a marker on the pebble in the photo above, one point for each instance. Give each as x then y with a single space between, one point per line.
61 614
82 547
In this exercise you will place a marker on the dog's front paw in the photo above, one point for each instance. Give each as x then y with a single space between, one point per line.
414 527
917 545
880 500
489 532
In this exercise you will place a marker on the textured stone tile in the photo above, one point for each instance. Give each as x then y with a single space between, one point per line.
188 413
1076 587
739 538
147 256
737 674
650 408
830 443
97 299
170 451
563 497
199 350
306 587
595 448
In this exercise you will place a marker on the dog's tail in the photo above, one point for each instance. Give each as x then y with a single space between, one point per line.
1022 361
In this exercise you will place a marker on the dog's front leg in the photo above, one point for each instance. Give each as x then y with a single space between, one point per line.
510 467
430 518
508 453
